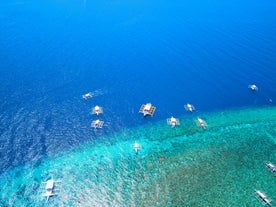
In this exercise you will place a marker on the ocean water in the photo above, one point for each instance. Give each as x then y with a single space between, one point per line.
185 166
127 53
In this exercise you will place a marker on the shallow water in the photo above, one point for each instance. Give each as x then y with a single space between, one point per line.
183 166
128 53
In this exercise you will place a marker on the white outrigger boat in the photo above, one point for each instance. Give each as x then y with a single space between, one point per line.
189 107
97 124
87 96
253 87
50 188
173 121
261 196
147 109
97 110
136 147
271 167
201 123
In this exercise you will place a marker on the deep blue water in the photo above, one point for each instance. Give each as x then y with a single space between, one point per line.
127 52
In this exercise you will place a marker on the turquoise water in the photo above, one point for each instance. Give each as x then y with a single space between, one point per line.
183 166
128 53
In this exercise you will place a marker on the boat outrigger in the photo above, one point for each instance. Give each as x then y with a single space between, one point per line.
136 147
189 107
147 109
261 196
97 124
97 110
87 96
271 167
50 188
201 123
173 121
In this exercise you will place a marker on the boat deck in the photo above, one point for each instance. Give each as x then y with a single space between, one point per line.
173 121
147 109
97 124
